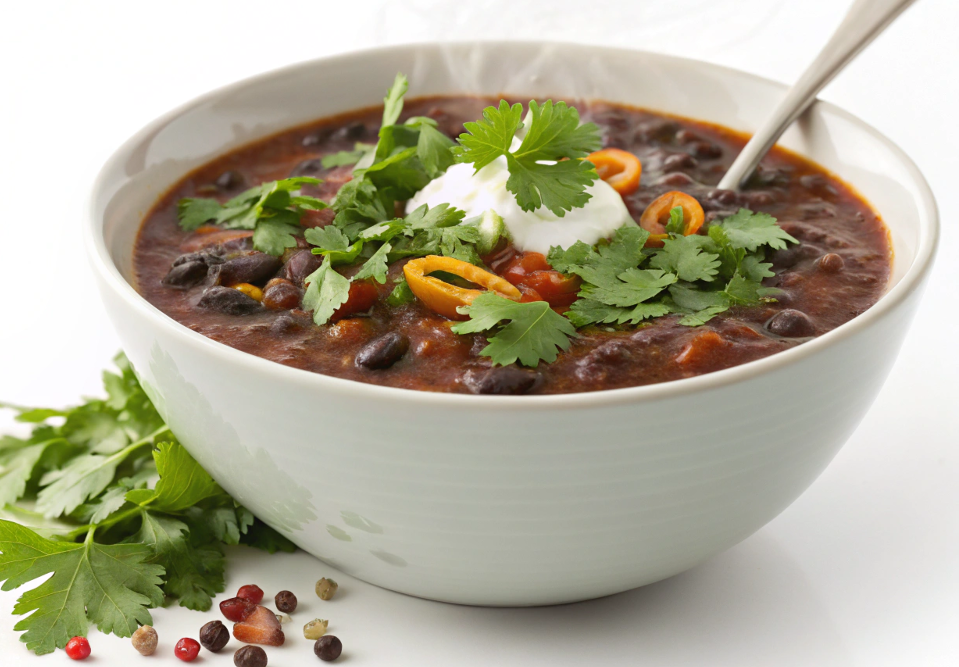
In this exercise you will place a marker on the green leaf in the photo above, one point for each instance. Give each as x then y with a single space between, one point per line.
676 224
194 213
326 291
532 334
586 311
564 260
554 132
559 187
261 536
18 460
700 317
183 483
194 575
489 138
401 295
111 585
344 158
434 150
689 298
633 287
393 102
750 230
683 256
376 266
274 235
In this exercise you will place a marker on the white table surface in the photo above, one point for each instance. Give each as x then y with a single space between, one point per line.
862 570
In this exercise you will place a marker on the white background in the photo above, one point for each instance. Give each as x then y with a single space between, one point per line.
862 570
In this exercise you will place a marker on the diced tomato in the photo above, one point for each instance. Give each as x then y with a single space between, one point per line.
363 295
701 349
530 269
529 294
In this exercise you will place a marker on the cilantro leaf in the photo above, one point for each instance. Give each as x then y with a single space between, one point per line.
489 138
193 574
586 311
540 174
401 294
533 333
393 102
345 158
194 213
700 317
18 460
750 230
112 585
376 266
261 536
676 224
434 150
743 291
183 483
632 287
326 291
683 256
275 234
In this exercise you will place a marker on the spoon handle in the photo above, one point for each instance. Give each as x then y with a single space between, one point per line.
864 21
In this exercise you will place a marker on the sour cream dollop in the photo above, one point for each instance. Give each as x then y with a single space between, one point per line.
532 231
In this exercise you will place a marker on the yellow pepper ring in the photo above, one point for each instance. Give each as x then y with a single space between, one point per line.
445 298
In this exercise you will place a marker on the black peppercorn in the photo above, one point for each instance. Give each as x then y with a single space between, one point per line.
214 636
250 656
328 648
285 602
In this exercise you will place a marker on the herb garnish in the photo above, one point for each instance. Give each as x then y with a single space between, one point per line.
545 170
115 542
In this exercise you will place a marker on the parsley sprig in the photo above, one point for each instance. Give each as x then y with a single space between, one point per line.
545 170
111 505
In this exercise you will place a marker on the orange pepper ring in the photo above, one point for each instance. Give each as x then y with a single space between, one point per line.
445 298
621 169
693 215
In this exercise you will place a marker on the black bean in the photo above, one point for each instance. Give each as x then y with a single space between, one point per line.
281 294
186 274
768 176
679 161
308 168
658 130
300 266
352 132
791 323
243 244
831 263
315 138
717 198
676 179
505 380
758 198
787 257
208 256
230 180
818 184
285 602
255 268
228 301
250 656
383 352
214 636
597 364
328 648
687 137
705 150
285 324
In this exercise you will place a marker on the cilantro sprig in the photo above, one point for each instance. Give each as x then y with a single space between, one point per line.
111 505
272 210
545 169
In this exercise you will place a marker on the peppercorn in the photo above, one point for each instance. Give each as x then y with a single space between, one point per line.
251 592
78 648
144 640
326 588
214 636
328 648
187 649
250 656
315 628
285 602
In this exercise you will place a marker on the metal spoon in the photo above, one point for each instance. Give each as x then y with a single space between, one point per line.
863 22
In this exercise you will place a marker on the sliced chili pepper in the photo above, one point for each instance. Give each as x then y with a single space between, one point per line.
656 215
621 169
445 298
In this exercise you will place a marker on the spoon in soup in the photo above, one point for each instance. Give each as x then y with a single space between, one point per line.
863 22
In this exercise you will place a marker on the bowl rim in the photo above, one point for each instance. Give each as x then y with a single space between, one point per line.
107 271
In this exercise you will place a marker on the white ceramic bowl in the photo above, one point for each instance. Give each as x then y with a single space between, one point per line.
509 500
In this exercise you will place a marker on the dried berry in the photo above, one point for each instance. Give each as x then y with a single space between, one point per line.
315 628
237 609
285 602
328 648
187 649
251 592
144 640
78 648
283 618
260 627
326 588
250 656
214 636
